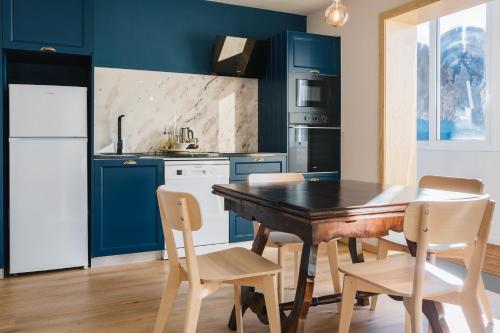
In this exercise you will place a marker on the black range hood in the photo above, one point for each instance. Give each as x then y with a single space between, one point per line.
240 57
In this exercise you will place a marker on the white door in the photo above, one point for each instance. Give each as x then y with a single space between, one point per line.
198 181
47 111
48 204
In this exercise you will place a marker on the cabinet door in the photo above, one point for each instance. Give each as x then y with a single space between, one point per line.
51 25
321 176
314 53
240 229
125 211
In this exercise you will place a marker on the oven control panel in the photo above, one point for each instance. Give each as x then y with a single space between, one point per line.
309 118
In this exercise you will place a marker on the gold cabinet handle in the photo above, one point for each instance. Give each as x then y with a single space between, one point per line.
129 162
259 159
314 71
315 179
47 49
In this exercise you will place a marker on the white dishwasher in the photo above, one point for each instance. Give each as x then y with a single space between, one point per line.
196 176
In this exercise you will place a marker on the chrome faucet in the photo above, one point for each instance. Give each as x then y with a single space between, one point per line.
119 143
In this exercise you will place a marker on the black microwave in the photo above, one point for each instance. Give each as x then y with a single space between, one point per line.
314 99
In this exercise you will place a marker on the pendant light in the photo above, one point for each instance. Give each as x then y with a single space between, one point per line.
336 15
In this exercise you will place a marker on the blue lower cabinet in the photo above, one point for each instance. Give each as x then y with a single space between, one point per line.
321 176
125 216
241 167
240 229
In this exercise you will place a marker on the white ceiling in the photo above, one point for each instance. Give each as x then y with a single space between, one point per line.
302 7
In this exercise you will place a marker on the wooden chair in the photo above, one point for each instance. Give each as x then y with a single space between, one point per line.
414 279
397 241
286 242
206 273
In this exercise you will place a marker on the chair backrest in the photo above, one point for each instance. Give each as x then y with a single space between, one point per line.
448 222
466 185
268 178
180 211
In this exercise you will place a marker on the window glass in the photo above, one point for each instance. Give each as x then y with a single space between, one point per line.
462 75
423 76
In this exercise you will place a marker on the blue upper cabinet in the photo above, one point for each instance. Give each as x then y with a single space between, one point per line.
125 214
63 26
313 53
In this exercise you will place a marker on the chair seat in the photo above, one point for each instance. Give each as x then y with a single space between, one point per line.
284 238
233 264
395 274
399 238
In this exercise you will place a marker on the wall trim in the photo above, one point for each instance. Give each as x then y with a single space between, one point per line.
133 258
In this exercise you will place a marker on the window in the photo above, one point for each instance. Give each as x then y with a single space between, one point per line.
452 79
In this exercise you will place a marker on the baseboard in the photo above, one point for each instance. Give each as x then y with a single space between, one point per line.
123 259
133 258
494 241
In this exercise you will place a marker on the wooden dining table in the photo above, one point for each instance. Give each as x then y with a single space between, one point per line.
318 212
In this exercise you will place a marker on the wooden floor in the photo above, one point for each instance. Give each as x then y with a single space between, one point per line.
125 299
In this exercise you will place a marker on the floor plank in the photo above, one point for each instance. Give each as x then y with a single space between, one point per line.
125 299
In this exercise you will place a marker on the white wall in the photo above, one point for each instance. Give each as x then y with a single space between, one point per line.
360 54
360 141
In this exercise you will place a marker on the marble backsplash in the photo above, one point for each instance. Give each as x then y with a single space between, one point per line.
221 111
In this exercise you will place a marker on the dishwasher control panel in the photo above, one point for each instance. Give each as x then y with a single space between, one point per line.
196 169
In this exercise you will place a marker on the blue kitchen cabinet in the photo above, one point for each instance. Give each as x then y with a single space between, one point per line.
125 213
312 53
241 167
2 87
240 229
321 176
63 26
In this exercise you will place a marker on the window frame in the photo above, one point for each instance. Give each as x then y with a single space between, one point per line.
490 143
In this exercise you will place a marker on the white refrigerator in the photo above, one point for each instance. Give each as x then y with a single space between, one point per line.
48 210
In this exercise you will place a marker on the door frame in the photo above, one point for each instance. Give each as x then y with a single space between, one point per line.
412 13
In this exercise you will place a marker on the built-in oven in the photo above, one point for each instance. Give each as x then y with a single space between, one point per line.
313 148
314 99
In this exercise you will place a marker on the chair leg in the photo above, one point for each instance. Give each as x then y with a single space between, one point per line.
237 307
407 322
483 299
333 253
167 300
192 311
433 258
271 298
473 315
414 308
281 275
383 250
481 292
348 296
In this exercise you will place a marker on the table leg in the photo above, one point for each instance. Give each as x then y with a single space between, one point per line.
258 246
432 310
356 251
305 286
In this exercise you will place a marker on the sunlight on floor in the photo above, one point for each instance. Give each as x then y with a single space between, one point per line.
457 323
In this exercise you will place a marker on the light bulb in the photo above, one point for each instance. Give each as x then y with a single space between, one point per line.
336 15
